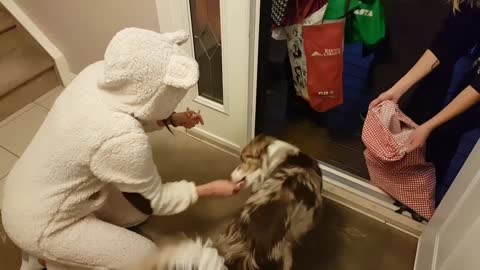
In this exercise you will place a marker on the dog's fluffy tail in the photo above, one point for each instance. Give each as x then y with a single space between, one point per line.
186 254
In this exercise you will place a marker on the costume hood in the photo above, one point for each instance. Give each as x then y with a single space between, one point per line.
146 74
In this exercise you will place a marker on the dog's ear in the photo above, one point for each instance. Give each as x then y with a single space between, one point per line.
279 150
259 137
258 146
276 153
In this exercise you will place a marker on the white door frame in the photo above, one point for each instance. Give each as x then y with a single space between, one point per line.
229 126
448 238
252 91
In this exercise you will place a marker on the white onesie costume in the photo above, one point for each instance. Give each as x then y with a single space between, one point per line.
62 199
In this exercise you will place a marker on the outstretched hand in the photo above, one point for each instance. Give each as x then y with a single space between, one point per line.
219 188
388 95
188 119
418 138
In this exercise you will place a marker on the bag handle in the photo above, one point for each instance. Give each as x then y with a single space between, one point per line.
347 7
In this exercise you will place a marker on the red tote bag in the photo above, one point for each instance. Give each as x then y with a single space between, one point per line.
407 177
323 46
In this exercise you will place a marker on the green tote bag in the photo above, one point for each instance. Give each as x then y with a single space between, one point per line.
365 20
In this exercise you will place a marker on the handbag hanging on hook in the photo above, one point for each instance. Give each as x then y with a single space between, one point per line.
365 20
316 56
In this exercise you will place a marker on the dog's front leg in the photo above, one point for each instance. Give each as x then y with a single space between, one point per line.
287 258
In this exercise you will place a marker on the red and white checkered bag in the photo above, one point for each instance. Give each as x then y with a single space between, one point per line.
407 177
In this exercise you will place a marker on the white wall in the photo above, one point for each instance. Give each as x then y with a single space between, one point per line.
450 241
81 29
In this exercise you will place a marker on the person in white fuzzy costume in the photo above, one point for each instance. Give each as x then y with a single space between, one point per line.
63 199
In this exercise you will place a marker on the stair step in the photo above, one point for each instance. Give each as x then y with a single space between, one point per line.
21 59
28 92
8 41
6 20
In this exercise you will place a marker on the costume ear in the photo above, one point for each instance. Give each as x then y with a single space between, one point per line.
182 72
178 37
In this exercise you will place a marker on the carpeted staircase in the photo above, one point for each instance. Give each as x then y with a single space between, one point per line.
26 70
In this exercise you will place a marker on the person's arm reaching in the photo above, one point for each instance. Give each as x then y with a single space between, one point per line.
187 119
426 64
454 40
466 99
127 162
422 68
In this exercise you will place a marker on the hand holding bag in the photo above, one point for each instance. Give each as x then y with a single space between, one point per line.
407 177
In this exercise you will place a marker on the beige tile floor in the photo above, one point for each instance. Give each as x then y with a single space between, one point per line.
17 130
343 240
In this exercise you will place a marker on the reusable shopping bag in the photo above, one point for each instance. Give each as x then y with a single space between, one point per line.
316 56
365 20
407 177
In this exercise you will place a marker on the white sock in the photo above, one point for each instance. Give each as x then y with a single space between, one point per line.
30 263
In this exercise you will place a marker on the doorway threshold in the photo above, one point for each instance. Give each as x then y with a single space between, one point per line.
367 199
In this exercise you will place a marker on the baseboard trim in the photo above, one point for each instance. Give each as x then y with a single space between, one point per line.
367 201
361 195
63 72
61 65
213 140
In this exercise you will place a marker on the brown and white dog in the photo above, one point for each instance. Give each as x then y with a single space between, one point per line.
286 186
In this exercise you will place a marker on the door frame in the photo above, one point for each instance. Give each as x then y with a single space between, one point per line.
431 245
175 15
254 46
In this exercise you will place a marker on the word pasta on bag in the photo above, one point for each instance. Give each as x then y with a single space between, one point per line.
407 177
